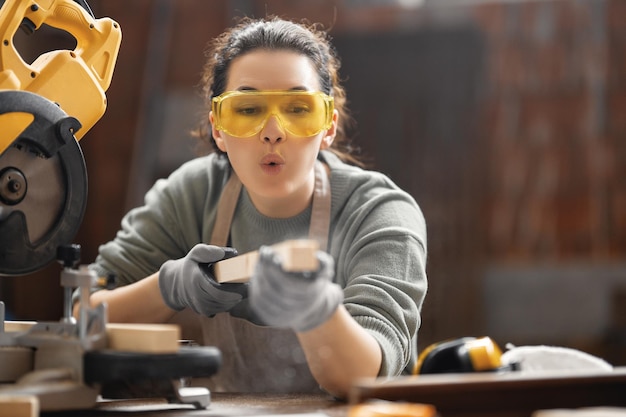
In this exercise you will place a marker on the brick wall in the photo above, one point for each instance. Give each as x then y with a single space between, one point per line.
557 186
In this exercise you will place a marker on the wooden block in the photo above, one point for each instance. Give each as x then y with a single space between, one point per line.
237 269
18 326
380 408
297 256
129 337
18 405
144 338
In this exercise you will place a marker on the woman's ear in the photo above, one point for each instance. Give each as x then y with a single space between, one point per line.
217 135
329 137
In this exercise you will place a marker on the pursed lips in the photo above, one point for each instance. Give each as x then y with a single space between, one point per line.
272 164
272 159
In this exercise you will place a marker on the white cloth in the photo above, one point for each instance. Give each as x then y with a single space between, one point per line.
552 358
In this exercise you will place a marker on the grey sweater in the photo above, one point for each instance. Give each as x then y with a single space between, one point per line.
377 238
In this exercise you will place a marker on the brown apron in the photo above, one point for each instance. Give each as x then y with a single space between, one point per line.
258 358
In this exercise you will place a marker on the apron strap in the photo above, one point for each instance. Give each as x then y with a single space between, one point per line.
226 211
320 212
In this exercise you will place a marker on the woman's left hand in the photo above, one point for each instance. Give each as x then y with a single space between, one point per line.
300 301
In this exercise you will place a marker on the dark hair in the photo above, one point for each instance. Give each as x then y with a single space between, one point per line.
273 33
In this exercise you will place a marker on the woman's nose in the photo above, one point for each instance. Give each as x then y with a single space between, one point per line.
273 131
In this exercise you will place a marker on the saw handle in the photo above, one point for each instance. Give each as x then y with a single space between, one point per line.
88 68
96 39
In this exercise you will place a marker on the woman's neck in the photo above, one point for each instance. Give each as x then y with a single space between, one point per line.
290 205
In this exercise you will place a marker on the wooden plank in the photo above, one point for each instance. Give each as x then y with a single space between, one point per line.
18 326
500 393
128 337
19 405
381 408
297 256
144 338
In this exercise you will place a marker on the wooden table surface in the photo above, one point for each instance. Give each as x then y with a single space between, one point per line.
460 395
222 404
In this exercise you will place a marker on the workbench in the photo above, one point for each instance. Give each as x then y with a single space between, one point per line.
222 405
454 395
526 396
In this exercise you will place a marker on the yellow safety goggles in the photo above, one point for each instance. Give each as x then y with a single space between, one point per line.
244 113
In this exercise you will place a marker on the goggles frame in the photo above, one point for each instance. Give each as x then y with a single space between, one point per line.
217 107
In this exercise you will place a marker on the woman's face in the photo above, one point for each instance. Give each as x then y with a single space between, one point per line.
275 166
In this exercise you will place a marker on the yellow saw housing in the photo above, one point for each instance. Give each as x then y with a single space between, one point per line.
76 79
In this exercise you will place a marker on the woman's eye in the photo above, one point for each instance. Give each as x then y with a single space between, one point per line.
298 109
248 110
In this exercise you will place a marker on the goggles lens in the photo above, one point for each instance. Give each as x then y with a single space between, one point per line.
244 113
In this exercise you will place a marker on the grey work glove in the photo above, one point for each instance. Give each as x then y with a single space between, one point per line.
300 301
189 282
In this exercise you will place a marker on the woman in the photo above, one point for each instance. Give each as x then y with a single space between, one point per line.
280 170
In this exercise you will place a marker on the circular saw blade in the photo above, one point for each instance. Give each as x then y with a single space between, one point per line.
43 185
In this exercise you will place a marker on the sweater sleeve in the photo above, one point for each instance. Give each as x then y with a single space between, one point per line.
387 300
379 243
177 213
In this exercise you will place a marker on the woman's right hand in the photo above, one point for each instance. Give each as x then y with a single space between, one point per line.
189 282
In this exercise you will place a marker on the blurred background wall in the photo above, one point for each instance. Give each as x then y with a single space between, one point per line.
506 120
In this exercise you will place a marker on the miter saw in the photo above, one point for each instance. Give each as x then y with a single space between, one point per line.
45 108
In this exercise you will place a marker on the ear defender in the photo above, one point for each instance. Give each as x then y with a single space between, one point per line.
466 354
